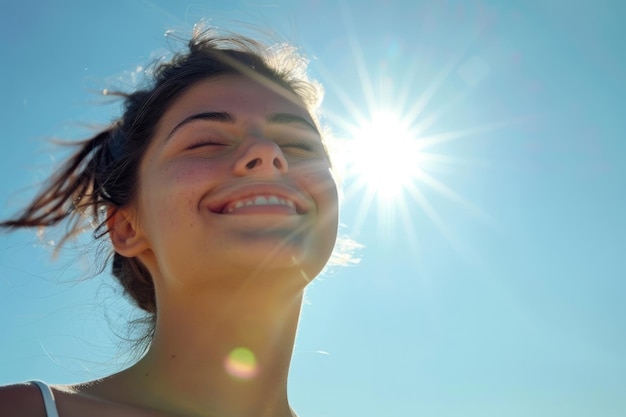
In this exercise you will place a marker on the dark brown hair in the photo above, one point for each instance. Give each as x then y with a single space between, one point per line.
102 175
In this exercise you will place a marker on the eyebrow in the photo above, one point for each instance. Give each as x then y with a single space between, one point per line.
288 118
213 116
224 117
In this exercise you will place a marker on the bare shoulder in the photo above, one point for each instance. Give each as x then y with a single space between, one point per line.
80 400
21 400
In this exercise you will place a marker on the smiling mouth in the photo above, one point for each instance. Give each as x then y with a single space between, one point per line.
267 203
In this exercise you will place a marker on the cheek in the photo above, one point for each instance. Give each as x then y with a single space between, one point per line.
321 184
171 194
185 173
186 177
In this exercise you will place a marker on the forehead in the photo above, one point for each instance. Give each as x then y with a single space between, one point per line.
238 95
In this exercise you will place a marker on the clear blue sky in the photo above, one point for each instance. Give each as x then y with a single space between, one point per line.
492 284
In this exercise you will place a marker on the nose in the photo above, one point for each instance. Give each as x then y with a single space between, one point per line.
261 157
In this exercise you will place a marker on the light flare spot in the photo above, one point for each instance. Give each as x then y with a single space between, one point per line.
241 363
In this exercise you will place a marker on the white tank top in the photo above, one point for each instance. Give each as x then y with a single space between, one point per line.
48 398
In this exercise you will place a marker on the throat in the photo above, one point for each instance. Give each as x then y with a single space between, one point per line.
233 357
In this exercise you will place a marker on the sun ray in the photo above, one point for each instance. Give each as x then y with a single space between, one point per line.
436 219
446 191
427 120
419 106
440 159
356 50
431 89
436 139
363 210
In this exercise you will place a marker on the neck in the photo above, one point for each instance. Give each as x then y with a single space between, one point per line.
219 353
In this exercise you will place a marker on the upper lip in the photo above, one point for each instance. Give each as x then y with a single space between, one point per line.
223 198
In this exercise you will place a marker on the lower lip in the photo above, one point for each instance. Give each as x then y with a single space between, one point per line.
268 209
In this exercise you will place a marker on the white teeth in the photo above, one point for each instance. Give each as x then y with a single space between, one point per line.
262 201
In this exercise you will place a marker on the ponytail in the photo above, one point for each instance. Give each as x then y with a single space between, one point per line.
78 194
73 193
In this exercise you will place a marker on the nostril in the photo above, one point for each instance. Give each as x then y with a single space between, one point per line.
278 163
253 163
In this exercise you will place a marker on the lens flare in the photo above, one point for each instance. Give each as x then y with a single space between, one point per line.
241 363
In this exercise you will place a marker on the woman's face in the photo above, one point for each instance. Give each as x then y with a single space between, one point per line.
236 182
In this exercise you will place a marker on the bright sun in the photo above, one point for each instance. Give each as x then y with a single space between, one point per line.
390 153
382 163
383 155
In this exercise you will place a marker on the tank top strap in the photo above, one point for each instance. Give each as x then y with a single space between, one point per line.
48 398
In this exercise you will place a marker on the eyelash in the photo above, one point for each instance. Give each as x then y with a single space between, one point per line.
304 146
201 143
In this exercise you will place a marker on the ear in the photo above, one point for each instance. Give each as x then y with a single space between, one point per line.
126 237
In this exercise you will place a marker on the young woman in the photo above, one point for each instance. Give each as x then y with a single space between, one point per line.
215 190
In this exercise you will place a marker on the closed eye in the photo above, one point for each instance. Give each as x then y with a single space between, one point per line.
203 143
304 149
304 146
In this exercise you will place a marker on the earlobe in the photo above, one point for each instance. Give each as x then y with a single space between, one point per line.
125 236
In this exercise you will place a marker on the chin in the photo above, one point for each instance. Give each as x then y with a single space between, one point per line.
282 258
